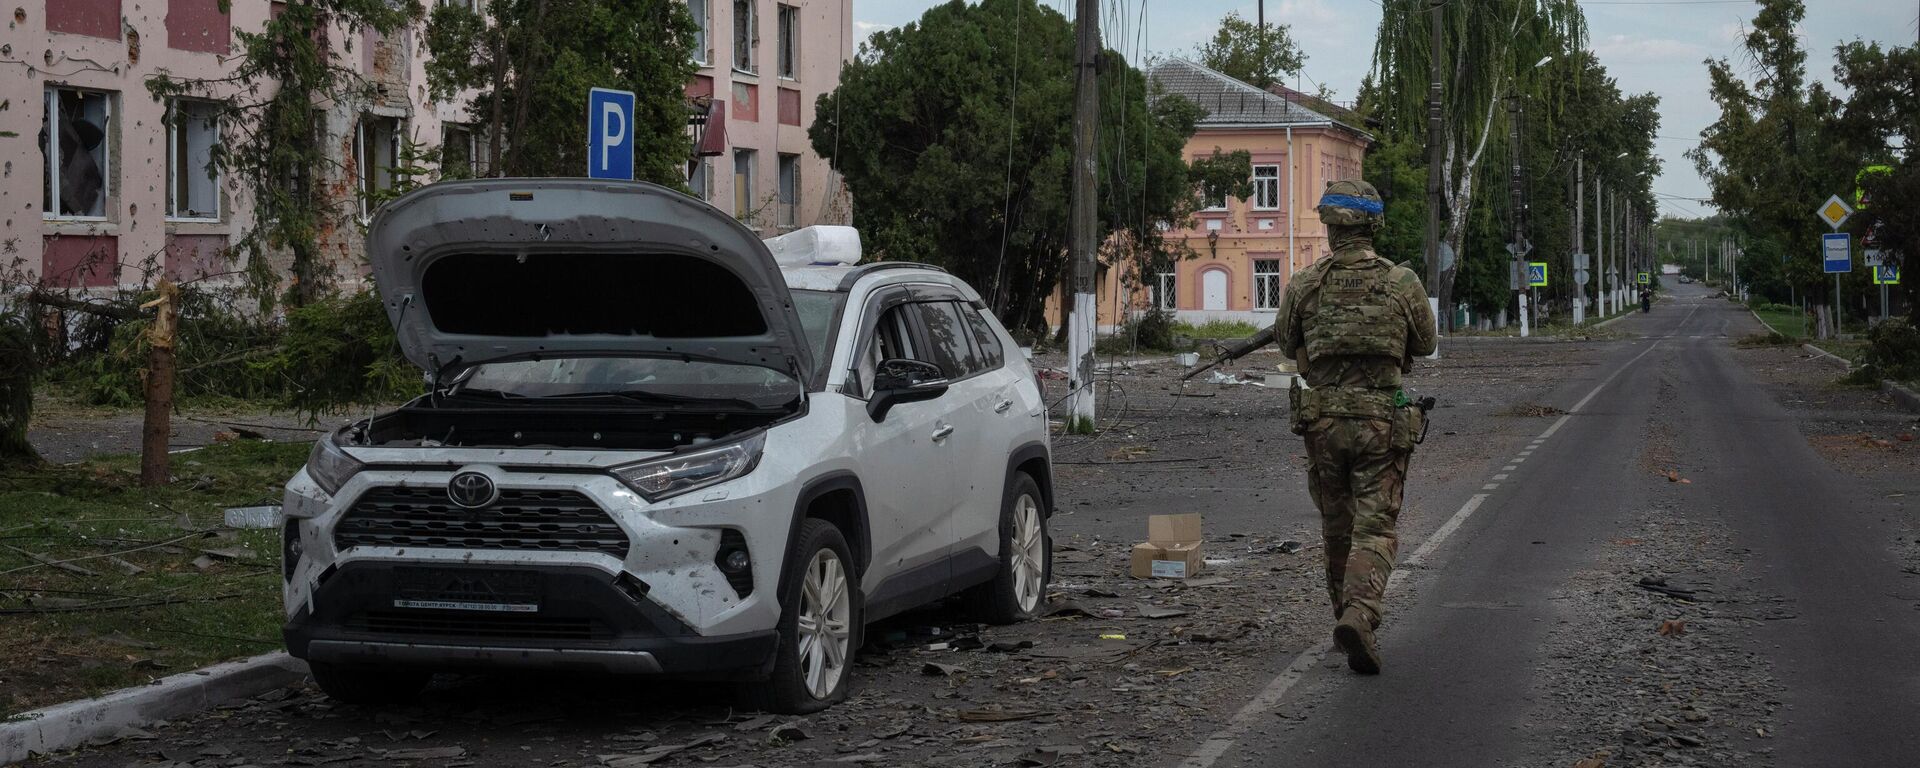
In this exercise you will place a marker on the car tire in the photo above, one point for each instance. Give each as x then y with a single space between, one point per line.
1019 585
820 615
370 685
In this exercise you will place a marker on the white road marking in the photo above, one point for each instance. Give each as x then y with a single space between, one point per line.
1488 487
1269 697
1519 459
1501 476
1509 468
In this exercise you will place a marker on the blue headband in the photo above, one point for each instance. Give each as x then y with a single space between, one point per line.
1360 204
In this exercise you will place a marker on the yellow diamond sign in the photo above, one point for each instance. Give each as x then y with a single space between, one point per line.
1834 212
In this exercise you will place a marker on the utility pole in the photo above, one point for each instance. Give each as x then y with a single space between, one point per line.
1600 247
1439 281
1517 238
1579 250
1082 238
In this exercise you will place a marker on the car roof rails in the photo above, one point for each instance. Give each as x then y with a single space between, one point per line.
853 276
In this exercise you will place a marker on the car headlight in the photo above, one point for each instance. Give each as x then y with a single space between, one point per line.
665 478
329 466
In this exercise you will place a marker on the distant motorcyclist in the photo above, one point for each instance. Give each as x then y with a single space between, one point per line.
1646 300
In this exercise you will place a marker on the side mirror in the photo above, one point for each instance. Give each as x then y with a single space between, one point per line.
903 380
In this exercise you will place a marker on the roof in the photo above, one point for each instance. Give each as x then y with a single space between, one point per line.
1230 102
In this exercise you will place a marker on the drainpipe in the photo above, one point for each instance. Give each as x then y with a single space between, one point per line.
1291 213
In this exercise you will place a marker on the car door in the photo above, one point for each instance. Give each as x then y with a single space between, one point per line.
975 418
1006 421
903 461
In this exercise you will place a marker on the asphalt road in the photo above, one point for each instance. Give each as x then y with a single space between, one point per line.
1473 670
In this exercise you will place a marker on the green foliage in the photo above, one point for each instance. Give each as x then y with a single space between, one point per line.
1152 331
1892 352
531 63
341 351
19 368
1216 329
1396 167
1242 50
954 136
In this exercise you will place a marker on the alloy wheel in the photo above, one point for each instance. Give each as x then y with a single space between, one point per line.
824 624
1029 553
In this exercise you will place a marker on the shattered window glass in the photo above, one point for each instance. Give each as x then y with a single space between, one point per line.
75 140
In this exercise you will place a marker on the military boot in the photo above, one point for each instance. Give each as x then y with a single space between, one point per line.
1354 636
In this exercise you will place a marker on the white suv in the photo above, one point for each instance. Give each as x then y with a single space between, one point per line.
651 447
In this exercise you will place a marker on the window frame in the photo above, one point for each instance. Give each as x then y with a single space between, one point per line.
173 205
743 193
789 215
1264 182
1260 289
1167 291
703 31
51 159
475 168
703 171
787 42
747 44
974 317
366 167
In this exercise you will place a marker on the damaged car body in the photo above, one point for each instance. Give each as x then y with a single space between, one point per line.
653 447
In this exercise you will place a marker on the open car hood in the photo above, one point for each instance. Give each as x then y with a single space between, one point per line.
495 269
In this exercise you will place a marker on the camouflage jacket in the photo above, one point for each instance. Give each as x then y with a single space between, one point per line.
1405 307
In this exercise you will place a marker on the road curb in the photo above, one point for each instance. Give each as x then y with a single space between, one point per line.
1906 398
69 725
1827 357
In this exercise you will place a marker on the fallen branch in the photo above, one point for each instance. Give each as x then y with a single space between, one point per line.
63 563
116 606
45 560
48 298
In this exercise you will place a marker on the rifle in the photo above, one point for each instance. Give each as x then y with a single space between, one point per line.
1426 405
1235 352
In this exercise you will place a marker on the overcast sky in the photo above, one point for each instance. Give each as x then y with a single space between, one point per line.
1648 45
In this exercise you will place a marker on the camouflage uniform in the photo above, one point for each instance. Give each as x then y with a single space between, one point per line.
1355 321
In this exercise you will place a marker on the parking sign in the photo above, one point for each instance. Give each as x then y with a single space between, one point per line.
609 134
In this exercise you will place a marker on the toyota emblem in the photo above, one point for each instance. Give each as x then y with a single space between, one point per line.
472 490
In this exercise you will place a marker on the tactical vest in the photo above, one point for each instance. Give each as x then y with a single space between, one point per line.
1354 314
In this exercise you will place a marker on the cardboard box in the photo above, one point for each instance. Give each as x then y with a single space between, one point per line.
1172 548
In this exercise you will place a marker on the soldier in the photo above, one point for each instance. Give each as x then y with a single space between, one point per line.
1354 322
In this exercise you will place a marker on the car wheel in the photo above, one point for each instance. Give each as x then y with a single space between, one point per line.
1019 586
819 618
372 685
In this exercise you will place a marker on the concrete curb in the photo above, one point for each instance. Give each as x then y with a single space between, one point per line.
69 725
1906 398
1827 357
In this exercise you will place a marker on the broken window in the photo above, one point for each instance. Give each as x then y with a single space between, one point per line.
376 145
789 42
746 36
193 188
789 190
1266 283
743 185
700 24
76 142
460 152
700 179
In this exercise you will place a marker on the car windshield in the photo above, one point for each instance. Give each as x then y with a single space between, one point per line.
644 379
817 310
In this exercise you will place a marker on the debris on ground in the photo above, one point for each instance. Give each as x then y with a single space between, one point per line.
1534 410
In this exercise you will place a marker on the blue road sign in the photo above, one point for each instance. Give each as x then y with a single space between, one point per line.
1836 252
1536 274
609 134
1886 274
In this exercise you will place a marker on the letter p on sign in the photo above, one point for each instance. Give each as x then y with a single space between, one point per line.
609 134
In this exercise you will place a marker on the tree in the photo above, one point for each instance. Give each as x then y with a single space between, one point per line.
284 76
1488 44
533 61
1884 106
953 134
1247 52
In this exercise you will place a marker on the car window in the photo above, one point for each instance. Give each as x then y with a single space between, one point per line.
817 311
892 339
992 355
948 338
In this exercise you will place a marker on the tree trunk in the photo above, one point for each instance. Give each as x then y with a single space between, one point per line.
158 425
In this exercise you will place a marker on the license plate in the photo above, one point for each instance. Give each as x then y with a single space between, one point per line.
465 589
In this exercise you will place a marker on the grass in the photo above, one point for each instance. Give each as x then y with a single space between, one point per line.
1216 329
1785 321
136 615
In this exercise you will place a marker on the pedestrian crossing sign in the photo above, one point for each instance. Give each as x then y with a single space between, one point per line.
1645 278
1886 274
1537 274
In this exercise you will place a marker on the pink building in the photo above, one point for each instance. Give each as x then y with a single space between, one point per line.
104 183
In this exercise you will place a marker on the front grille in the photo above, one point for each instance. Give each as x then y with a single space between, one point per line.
523 519
491 627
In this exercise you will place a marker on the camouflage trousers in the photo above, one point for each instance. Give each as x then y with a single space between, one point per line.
1356 477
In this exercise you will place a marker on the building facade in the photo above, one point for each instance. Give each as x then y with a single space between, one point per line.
1245 249
107 186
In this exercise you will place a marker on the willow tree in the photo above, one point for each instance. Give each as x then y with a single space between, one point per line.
1489 51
